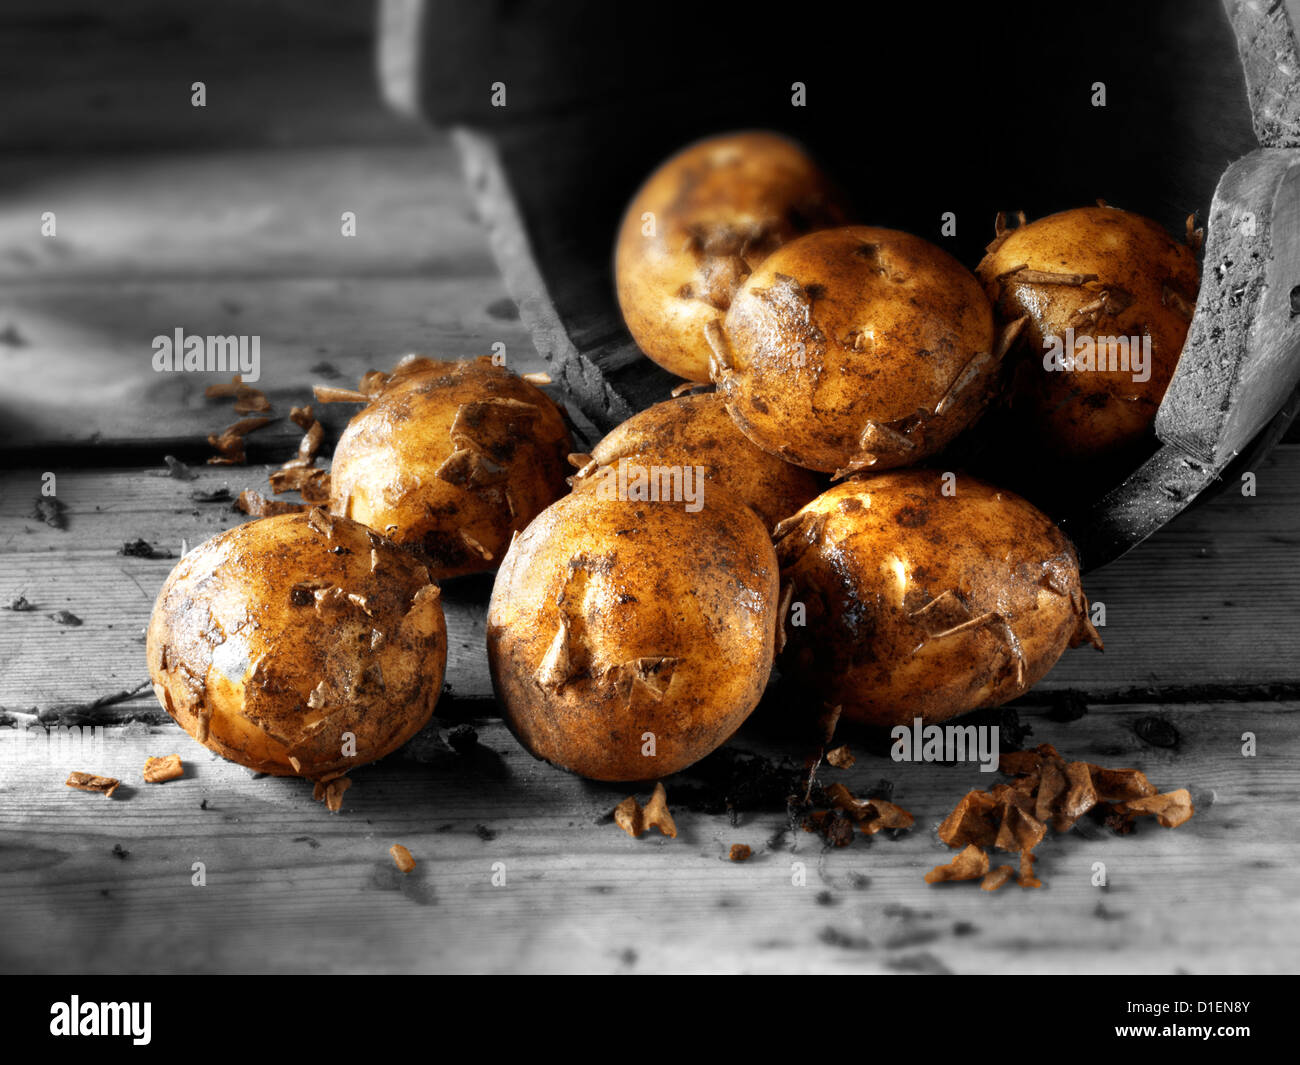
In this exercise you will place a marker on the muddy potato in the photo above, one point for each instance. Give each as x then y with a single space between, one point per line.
720 207
697 431
454 457
856 348
917 603
611 619
1102 273
273 639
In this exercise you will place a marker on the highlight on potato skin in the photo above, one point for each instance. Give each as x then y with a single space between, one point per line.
918 603
702 221
628 640
697 430
454 458
271 641
856 348
1098 272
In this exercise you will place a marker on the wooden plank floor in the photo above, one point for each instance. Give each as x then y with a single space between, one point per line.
230 222
236 243
292 888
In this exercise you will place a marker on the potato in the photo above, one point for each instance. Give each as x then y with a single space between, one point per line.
1098 272
719 208
697 431
273 639
856 348
627 640
921 604
454 458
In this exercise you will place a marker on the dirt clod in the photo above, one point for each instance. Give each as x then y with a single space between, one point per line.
51 511
142 548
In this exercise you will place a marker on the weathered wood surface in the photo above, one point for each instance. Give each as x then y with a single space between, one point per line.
244 243
293 888
241 214
59 397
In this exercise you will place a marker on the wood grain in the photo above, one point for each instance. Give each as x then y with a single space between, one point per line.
1215 895
83 371
242 243
240 214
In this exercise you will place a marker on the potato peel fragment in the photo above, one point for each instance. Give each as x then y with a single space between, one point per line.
656 813
158 770
1026 879
1170 809
1046 789
870 815
91 782
629 817
971 864
636 820
840 757
331 792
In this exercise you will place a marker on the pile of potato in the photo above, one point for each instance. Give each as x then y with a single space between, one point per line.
786 518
